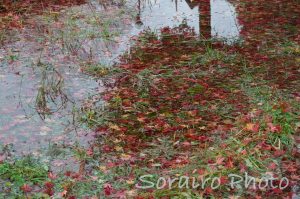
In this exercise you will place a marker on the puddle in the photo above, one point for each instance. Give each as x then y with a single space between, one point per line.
41 84
38 104
214 18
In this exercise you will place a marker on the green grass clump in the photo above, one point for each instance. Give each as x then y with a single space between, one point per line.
26 170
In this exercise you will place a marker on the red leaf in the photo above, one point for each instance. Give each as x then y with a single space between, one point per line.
203 138
107 189
279 153
52 176
106 148
220 160
201 171
229 163
285 107
26 188
49 192
274 128
277 190
208 190
89 152
272 166
252 127
49 185
68 173
224 180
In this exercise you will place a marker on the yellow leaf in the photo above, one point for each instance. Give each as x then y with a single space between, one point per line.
114 127
102 168
202 127
141 119
228 121
125 156
125 116
131 193
116 141
130 182
249 126
118 148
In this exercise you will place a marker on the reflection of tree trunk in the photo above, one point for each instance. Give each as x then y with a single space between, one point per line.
205 19
103 3
138 20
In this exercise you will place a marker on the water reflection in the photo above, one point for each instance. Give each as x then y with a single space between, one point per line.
205 18
38 101
93 34
138 19
209 18
51 96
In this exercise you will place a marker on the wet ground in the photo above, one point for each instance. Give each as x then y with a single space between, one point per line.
42 86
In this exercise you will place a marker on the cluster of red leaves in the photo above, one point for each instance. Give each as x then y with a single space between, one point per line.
173 98
13 13
175 103
35 6
170 103
266 24
47 189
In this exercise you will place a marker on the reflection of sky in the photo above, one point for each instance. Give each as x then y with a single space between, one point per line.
224 19
20 124
163 13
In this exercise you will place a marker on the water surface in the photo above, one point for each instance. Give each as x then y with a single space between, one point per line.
214 18
41 83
